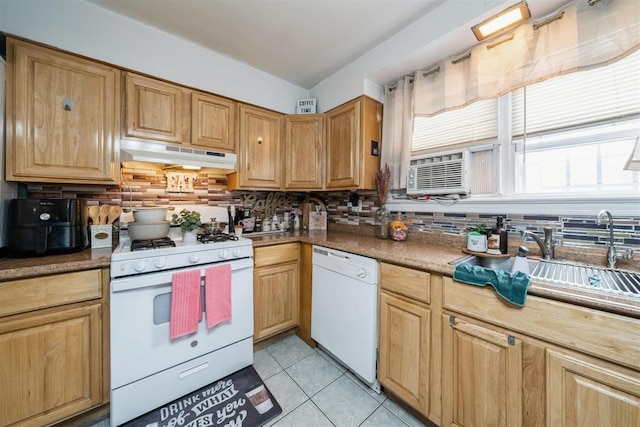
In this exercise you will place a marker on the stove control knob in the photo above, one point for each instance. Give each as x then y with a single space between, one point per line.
140 266
160 262
223 254
237 252
193 258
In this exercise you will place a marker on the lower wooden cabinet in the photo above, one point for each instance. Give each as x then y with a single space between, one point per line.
407 345
275 289
52 358
404 343
482 375
584 391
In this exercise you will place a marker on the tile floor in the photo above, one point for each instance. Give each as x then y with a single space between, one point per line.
314 390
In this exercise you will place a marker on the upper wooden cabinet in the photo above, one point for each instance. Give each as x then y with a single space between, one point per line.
161 111
213 122
304 152
259 151
63 117
353 144
156 110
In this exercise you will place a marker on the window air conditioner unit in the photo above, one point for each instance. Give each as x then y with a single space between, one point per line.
439 174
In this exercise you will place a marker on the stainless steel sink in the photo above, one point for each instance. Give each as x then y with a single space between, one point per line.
616 281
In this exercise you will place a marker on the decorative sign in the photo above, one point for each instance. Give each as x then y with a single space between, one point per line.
181 182
270 205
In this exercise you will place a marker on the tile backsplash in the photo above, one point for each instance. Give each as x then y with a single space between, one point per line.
141 185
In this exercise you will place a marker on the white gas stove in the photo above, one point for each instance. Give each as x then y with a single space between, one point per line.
148 368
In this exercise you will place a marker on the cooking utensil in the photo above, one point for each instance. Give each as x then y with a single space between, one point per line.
94 214
213 226
103 214
148 230
114 214
155 214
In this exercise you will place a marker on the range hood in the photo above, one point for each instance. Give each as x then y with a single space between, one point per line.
132 150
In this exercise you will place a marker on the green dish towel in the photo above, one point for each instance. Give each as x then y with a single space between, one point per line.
510 286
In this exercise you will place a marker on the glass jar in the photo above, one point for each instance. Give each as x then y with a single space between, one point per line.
382 219
398 230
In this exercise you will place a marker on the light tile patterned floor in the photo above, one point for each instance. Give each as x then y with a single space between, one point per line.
316 391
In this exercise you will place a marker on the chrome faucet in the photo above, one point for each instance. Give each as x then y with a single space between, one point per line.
612 253
547 247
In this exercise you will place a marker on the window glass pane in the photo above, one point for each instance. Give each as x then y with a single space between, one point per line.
594 167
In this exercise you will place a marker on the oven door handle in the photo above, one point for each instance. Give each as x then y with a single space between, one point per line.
165 278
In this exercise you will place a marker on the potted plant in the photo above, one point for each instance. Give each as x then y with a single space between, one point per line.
189 222
477 237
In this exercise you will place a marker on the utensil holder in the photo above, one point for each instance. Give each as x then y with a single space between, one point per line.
101 236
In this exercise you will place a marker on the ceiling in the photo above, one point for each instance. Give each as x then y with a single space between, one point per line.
300 41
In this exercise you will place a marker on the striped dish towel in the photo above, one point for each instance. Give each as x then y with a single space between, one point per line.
218 294
186 310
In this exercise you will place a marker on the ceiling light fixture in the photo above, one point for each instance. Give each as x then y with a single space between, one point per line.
502 22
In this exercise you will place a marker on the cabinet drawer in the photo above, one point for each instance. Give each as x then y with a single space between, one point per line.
17 296
406 281
278 254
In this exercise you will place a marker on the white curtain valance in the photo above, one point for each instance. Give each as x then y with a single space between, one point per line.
584 37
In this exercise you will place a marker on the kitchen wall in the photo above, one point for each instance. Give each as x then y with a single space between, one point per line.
86 29
140 185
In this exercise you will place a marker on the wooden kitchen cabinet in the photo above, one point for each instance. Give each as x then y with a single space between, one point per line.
482 375
304 152
275 294
213 122
548 363
353 134
54 347
156 110
63 117
584 391
405 335
260 150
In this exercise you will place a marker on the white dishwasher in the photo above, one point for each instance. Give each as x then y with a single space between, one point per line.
344 310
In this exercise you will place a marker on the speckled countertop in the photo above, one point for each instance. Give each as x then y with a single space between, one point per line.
422 255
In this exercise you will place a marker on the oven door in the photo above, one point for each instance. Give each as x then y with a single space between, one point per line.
140 308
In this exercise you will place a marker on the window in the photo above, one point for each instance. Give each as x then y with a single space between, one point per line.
571 134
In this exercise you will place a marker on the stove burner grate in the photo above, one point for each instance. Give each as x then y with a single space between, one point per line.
216 237
163 242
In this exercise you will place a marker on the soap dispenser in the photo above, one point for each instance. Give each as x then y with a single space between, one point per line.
521 263
499 236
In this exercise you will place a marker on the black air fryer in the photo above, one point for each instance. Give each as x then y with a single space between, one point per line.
46 227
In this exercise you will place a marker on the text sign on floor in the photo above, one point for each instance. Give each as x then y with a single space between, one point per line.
239 400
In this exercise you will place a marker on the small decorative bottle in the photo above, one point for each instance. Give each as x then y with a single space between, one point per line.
296 222
398 228
382 223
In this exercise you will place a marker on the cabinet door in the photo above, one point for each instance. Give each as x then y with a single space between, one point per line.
156 110
482 376
276 299
51 364
304 152
260 151
343 148
583 392
63 117
213 122
403 365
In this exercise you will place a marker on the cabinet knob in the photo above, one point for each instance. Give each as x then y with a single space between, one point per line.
260 140
67 104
